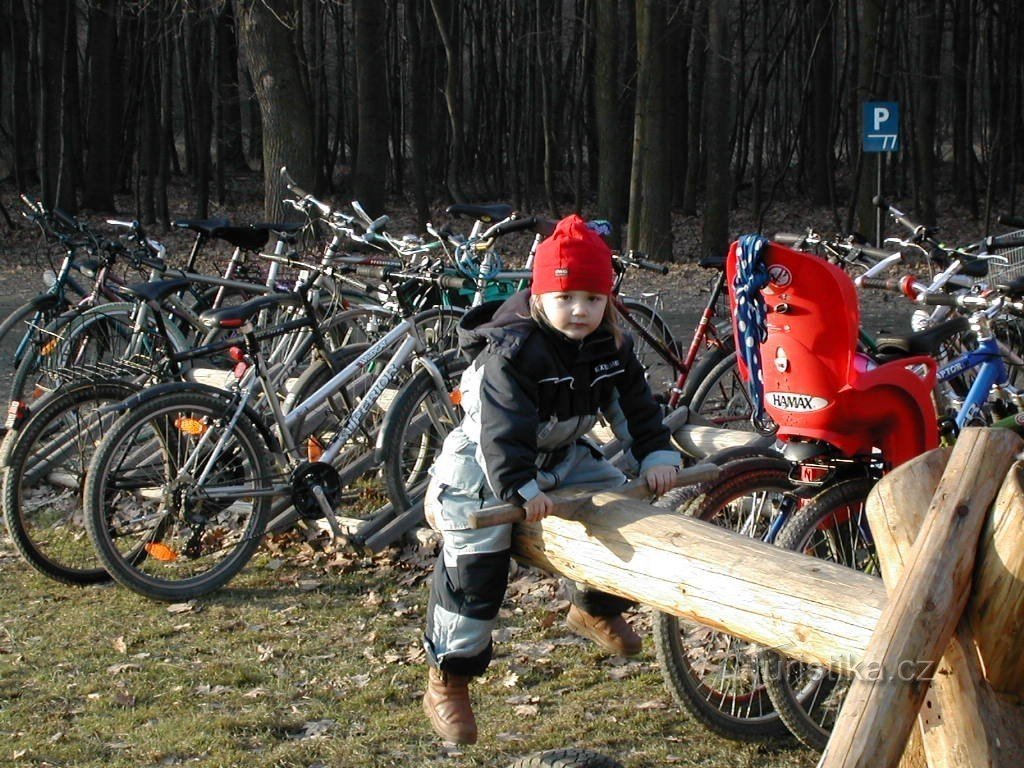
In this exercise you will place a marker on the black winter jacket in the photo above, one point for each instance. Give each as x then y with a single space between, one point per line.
536 384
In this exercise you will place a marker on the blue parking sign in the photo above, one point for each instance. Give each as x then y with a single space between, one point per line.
880 122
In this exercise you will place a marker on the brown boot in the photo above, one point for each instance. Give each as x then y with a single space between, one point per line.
612 633
447 704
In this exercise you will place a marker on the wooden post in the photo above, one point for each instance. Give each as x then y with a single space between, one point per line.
996 609
926 604
952 731
810 609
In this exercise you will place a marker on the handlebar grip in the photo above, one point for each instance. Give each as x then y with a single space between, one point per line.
453 281
882 283
919 231
378 273
512 225
875 253
1009 240
65 218
940 299
652 266
789 238
1011 221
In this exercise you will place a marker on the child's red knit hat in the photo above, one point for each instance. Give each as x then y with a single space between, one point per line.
574 258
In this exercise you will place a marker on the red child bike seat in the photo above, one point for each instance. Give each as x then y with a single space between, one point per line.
817 385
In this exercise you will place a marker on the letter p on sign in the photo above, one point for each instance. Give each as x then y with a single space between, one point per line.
881 116
880 122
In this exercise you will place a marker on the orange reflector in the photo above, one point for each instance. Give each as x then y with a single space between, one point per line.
456 396
48 347
190 426
159 551
314 448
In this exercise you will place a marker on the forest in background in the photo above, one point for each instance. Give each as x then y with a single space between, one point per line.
629 109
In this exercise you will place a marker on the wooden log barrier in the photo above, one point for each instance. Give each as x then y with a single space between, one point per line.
930 578
955 722
811 609
824 613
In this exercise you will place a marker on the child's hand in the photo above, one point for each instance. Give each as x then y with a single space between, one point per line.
537 508
661 479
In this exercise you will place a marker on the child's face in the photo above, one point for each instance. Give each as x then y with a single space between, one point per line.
577 314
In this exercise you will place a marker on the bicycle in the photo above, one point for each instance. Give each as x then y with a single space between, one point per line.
46 451
188 474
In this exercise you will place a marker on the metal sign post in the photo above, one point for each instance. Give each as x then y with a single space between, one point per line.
880 124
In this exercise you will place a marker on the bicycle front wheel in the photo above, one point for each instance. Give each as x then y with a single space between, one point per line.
177 495
43 477
713 675
20 330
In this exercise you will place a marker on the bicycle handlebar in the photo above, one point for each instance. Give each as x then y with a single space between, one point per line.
1011 221
1008 240
918 232
635 261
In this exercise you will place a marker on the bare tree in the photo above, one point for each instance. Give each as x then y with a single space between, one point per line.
268 42
717 127
650 225
371 167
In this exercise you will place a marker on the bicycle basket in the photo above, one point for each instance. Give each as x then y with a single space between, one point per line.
1005 271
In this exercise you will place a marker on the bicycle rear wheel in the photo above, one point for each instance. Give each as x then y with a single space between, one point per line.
833 526
640 319
42 480
176 496
721 396
421 417
713 675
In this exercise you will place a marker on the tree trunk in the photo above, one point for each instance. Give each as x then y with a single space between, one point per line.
822 101
609 97
442 15
695 156
269 48
422 49
371 168
230 150
929 16
717 127
103 62
17 93
650 224
871 28
56 51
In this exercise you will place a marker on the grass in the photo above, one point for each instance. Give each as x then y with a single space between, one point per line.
310 659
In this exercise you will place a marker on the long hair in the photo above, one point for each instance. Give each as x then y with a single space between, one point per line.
610 322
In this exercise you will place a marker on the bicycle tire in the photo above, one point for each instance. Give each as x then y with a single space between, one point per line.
680 499
20 328
566 758
711 674
45 462
661 373
100 335
416 429
156 529
807 696
721 396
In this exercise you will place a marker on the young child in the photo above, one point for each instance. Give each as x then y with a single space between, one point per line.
546 363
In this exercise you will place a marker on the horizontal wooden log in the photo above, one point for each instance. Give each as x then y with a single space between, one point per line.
810 609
